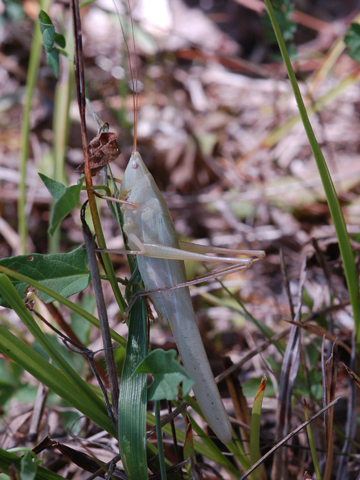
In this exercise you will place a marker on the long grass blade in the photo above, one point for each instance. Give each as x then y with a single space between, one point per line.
133 397
13 299
332 199
54 379
65 301
255 429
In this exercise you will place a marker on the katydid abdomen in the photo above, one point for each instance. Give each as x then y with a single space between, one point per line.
151 223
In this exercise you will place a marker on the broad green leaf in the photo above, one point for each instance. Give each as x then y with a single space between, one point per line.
352 41
165 387
60 40
48 39
44 21
66 199
53 61
167 373
47 30
56 189
65 273
29 465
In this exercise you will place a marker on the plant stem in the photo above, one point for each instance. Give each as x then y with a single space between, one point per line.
34 62
159 440
61 131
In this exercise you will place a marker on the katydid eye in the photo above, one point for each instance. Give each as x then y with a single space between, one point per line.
134 165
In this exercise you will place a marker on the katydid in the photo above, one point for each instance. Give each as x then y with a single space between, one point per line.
151 235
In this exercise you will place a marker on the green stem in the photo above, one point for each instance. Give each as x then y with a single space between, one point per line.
34 62
312 443
159 440
61 132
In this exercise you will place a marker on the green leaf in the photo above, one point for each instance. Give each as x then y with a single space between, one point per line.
65 273
48 38
44 21
53 61
47 30
56 189
167 373
7 459
352 41
66 200
60 40
10 380
75 307
29 465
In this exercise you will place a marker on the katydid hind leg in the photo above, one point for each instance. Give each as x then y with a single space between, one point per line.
170 253
195 281
196 247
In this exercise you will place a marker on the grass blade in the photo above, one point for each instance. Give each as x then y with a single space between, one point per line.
312 443
255 426
53 378
333 201
133 397
65 301
77 383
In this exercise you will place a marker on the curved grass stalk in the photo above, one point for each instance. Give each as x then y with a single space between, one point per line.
65 301
332 199
12 297
66 374
46 373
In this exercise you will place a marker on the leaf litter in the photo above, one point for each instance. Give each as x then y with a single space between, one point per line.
210 122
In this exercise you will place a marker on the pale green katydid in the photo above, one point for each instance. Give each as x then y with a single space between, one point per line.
151 235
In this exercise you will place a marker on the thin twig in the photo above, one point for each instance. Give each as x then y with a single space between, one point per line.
103 318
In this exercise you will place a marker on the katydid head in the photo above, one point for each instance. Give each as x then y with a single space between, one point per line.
134 173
